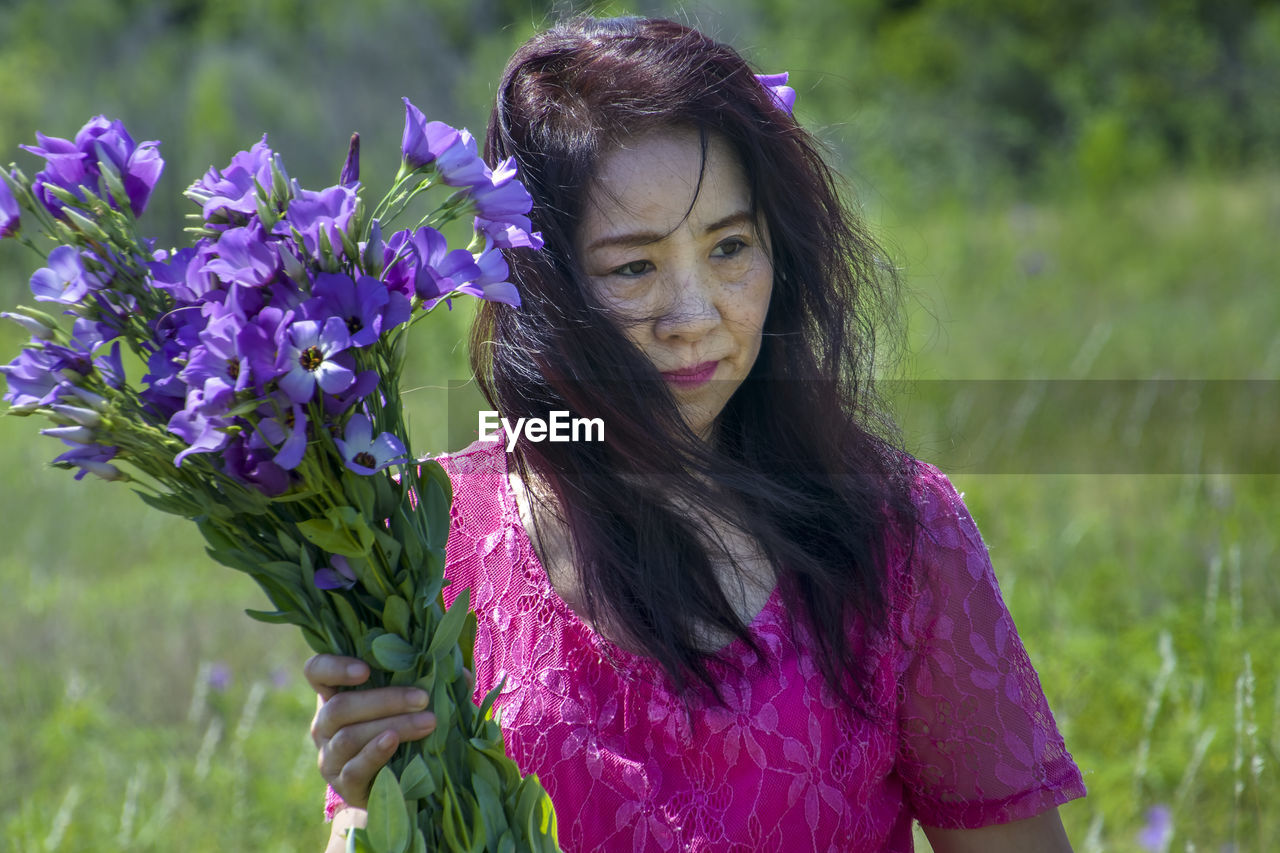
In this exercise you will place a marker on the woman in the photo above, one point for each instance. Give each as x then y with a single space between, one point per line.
744 620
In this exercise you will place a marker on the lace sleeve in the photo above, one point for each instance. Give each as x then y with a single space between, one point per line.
978 745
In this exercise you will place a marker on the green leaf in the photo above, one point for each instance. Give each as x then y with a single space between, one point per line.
467 641
288 544
446 636
388 826
442 706
360 492
416 781
346 613
168 503
419 842
395 616
391 546
488 802
278 617
342 531
486 706
317 643
393 654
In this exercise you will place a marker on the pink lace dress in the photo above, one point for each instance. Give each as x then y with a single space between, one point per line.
967 738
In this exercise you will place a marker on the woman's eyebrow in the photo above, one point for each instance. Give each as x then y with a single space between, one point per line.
644 238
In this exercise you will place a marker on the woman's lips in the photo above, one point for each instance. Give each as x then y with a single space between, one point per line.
691 376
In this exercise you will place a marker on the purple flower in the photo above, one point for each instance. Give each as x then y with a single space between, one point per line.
424 141
64 280
503 196
256 466
216 366
784 97
65 168
336 404
244 256
182 273
460 165
421 263
367 306
90 459
511 233
313 355
339 577
365 454
350 176
492 282
139 166
1158 832
328 210
284 432
76 166
201 433
37 328
232 189
32 379
219 677
10 214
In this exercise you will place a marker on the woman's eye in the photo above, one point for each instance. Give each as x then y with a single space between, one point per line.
731 247
632 269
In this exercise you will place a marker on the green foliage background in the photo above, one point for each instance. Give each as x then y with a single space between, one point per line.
1085 190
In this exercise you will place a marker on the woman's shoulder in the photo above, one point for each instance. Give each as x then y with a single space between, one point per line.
478 475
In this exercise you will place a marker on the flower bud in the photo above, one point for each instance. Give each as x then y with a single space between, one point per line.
76 434
279 181
372 255
75 415
37 328
293 267
97 402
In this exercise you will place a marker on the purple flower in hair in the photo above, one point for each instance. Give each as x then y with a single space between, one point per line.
365 454
784 97
313 355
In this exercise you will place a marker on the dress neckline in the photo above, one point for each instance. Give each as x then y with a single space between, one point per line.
623 658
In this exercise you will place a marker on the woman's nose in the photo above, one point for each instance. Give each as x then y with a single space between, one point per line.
690 310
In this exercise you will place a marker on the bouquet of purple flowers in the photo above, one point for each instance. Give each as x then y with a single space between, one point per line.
268 411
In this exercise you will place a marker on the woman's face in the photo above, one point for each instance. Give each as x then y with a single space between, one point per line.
686 267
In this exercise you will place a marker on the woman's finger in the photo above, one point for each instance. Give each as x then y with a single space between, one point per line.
352 707
356 777
326 673
348 743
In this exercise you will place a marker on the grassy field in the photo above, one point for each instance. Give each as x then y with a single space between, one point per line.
143 711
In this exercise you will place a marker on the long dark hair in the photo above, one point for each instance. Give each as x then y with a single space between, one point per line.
801 458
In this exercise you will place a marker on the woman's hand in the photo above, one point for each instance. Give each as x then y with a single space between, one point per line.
357 731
